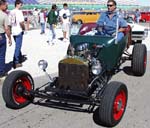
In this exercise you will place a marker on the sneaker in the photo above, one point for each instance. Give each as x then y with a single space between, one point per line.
47 41
42 33
23 59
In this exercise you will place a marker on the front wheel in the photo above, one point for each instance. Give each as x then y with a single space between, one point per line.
113 104
14 88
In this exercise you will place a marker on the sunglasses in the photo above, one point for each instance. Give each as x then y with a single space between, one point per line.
110 5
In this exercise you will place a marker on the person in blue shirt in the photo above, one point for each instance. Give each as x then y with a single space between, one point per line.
110 20
137 16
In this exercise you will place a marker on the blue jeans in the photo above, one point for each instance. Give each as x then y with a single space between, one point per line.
137 20
17 55
2 52
53 31
42 27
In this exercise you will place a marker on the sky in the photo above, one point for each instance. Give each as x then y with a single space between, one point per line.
144 2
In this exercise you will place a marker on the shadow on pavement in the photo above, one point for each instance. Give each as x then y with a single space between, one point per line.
8 66
128 70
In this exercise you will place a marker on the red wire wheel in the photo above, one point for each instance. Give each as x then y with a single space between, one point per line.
16 89
119 105
22 83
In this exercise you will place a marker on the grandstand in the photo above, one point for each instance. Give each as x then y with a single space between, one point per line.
30 2
24 1
67 1
102 2
75 4
90 4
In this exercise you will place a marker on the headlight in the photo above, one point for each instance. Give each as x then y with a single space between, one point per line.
42 64
79 48
85 45
96 68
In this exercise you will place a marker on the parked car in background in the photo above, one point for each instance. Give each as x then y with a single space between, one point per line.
145 17
139 32
85 16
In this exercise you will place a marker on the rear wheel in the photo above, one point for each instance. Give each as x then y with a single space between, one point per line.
139 59
79 22
14 88
113 104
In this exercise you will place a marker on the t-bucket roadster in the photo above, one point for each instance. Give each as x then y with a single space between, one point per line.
83 81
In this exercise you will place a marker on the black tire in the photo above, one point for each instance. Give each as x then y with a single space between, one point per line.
136 42
139 41
79 22
144 20
113 104
139 59
14 81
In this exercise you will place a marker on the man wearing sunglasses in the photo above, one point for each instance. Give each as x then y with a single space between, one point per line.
110 20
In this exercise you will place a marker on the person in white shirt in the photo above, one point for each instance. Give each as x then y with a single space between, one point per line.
65 20
36 18
42 20
16 20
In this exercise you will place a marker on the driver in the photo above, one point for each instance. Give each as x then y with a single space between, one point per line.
107 23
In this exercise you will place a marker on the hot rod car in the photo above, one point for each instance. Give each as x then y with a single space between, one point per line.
84 78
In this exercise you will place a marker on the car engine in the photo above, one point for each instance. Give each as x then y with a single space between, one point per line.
76 69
